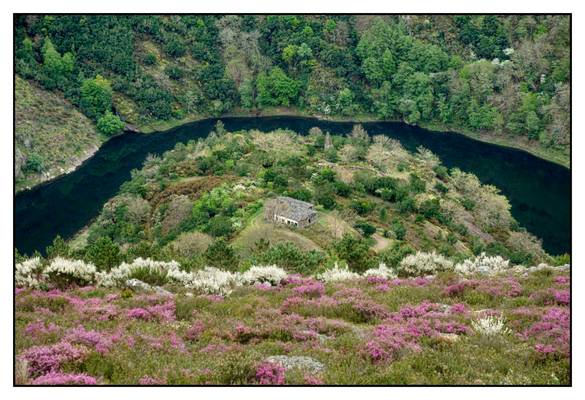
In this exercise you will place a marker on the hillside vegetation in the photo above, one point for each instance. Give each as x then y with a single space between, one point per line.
202 204
501 78
51 135
481 323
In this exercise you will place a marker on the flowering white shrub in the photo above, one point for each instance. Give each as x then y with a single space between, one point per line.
422 263
263 274
119 275
483 264
300 362
337 274
77 271
382 271
212 281
29 273
490 326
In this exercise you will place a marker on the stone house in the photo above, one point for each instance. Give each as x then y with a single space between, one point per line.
289 211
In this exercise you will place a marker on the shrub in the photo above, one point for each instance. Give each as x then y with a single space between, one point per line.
483 264
288 256
337 274
145 270
382 271
220 226
264 274
395 254
422 263
355 251
365 229
221 254
29 273
110 124
490 326
64 272
103 253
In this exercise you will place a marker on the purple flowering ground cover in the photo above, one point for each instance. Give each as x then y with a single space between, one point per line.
365 331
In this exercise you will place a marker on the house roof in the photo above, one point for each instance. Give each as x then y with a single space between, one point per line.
294 209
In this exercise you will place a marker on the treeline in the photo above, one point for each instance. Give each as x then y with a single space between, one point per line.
479 73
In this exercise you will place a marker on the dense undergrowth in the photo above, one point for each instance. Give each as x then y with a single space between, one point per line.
508 326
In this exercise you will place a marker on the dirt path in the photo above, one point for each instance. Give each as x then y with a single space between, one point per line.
381 242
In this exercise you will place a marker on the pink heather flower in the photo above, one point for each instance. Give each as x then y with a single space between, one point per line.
111 297
313 380
101 342
58 378
374 279
39 328
138 313
265 286
44 359
562 280
195 331
376 351
544 348
421 281
458 308
311 289
148 380
562 297
383 287
176 342
18 291
268 373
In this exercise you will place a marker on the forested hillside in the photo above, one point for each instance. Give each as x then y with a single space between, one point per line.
506 78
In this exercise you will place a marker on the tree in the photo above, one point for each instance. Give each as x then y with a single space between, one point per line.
59 248
355 251
110 124
55 66
399 229
276 88
220 226
103 253
96 96
220 254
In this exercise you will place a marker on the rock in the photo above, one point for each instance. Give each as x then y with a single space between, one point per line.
138 285
301 362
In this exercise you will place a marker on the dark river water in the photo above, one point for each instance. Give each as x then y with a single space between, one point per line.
539 191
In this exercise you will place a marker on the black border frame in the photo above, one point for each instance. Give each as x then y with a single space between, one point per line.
570 15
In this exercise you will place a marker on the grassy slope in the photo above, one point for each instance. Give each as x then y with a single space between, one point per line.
203 340
49 126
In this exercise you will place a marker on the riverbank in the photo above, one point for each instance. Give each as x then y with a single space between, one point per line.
554 156
534 148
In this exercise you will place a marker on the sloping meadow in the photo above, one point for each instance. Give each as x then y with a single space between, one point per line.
458 326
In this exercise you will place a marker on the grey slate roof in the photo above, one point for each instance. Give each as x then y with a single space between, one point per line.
294 209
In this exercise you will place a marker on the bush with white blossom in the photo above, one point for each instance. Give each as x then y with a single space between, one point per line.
337 274
421 264
382 271
211 281
490 326
483 264
29 273
264 274
64 272
139 269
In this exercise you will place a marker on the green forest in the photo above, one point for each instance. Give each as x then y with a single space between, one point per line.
503 78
